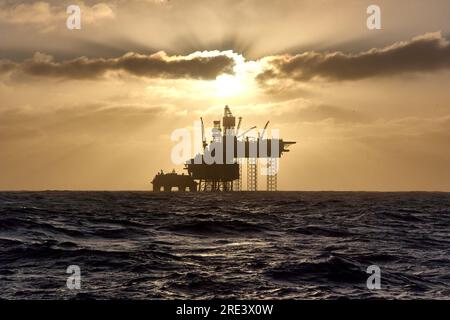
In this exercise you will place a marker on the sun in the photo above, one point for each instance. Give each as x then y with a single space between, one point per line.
228 85
240 83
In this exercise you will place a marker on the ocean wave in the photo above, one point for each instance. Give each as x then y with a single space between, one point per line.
332 268
307 245
230 227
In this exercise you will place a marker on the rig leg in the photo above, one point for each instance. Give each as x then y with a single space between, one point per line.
272 174
237 184
252 174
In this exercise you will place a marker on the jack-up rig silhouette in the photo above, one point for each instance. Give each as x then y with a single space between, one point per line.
220 166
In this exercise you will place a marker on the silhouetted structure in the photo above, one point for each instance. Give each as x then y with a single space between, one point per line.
173 180
219 168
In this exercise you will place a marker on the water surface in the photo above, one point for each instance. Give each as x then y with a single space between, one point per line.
141 245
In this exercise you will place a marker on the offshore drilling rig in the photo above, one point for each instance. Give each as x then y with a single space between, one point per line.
220 166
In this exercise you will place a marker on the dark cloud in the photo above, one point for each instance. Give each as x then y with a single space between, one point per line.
6 66
157 65
425 53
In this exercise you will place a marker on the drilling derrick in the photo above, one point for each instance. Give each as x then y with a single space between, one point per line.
219 166
229 121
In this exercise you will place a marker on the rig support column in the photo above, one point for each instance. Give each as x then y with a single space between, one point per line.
272 174
238 183
252 174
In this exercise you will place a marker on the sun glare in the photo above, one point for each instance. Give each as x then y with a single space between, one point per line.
240 83
228 85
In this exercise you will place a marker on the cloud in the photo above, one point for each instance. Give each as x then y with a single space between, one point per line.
199 65
27 13
429 52
47 16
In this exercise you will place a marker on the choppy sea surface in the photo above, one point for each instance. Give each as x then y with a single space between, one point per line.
284 245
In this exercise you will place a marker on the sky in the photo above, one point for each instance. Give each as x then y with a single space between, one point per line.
95 108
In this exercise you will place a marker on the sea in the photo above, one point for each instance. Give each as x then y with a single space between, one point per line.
242 245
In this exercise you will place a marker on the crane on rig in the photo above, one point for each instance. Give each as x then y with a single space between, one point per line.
204 144
246 131
264 130
239 125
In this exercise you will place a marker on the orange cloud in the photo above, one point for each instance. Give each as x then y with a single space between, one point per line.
425 53
158 65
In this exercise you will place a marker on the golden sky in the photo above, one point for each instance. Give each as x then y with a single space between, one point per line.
94 109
